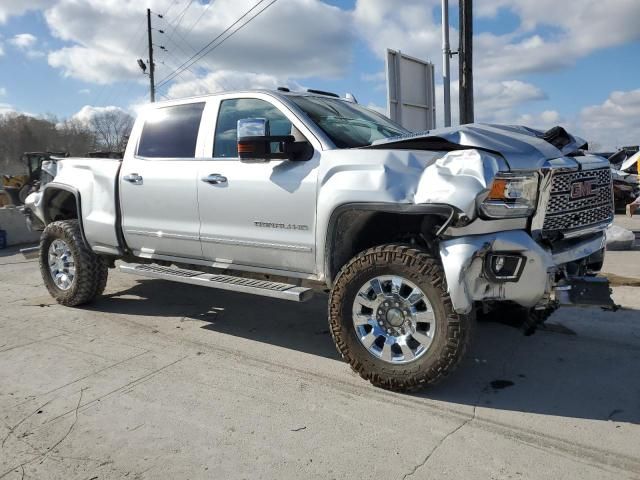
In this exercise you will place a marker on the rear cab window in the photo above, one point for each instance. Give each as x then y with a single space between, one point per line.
171 132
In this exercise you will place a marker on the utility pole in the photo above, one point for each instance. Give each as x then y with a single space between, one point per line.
151 65
466 62
446 55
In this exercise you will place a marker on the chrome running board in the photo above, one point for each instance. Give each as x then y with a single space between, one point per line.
264 288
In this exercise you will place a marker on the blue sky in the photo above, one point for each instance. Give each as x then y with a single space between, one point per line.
578 67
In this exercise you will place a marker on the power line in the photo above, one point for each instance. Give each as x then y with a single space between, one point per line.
212 41
109 89
210 46
169 7
199 18
171 27
180 17
178 61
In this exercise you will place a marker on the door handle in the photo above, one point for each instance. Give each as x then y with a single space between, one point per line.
133 178
214 179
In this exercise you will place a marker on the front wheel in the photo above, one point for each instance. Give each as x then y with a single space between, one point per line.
72 273
392 319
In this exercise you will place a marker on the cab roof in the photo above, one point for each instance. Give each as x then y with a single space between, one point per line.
277 92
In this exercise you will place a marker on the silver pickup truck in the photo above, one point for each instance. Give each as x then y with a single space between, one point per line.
280 194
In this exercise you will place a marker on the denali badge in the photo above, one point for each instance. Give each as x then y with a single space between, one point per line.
583 188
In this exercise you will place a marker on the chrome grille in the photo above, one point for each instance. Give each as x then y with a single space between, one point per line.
565 213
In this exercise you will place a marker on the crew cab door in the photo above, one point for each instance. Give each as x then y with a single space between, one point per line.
256 214
158 184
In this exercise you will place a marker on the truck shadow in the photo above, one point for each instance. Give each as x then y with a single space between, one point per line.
14 250
568 372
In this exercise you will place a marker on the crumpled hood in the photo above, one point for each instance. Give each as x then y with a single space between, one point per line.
523 148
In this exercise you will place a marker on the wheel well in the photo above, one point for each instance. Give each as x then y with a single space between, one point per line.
353 230
59 204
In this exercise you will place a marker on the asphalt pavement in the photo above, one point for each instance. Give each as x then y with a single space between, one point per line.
164 381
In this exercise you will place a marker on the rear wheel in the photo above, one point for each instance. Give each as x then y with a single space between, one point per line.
392 319
72 273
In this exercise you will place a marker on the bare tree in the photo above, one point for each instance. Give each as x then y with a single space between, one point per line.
23 133
111 129
75 137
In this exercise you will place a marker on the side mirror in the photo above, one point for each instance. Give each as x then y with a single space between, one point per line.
255 143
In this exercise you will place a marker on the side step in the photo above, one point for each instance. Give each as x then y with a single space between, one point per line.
222 282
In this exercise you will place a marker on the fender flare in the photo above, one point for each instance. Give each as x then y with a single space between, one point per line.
48 190
445 211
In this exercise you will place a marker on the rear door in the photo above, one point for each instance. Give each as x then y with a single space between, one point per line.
257 214
158 184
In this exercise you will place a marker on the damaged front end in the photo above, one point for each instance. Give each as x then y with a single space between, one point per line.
512 267
536 237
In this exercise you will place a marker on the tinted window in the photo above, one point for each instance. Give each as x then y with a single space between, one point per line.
171 132
225 143
348 125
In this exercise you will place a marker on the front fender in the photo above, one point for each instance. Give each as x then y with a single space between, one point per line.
409 180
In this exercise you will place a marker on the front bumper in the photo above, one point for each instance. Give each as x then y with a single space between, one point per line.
463 260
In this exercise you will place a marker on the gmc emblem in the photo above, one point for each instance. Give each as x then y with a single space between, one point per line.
583 188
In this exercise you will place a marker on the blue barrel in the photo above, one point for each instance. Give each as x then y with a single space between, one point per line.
3 239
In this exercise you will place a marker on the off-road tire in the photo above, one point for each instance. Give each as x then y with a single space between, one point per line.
453 332
91 269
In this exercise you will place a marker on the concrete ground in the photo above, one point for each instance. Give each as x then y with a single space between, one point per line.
164 381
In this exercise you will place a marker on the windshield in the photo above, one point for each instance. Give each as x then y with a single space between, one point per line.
347 124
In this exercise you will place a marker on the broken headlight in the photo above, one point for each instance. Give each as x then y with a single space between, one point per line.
511 195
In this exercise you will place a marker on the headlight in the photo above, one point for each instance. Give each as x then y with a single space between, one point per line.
511 195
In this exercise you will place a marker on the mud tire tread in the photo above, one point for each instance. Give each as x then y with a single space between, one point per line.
91 269
442 358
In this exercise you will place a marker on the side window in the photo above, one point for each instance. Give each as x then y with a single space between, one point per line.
225 142
171 132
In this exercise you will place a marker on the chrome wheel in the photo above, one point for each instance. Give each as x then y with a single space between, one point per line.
393 319
61 264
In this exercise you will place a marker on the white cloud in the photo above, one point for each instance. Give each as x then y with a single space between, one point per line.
86 113
297 38
84 91
575 29
615 122
412 27
10 8
23 40
3 91
227 80
495 102
26 42
6 108
91 65
408 25
543 120
505 95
